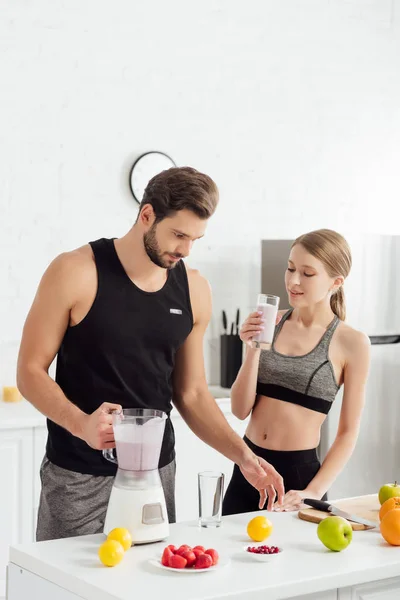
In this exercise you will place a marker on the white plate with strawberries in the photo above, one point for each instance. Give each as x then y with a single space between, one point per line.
186 559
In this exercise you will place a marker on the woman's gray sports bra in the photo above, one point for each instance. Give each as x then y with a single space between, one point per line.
307 380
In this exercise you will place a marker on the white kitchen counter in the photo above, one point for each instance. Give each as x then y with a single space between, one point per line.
304 567
20 415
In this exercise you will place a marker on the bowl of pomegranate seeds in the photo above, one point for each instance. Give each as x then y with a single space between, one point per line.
262 552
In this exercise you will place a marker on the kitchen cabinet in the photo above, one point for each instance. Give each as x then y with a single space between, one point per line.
39 448
388 589
15 494
330 595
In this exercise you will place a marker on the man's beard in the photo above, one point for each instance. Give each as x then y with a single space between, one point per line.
153 250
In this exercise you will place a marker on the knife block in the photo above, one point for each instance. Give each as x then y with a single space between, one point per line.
231 354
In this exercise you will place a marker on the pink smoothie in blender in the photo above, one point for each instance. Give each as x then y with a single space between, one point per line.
138 439
137 499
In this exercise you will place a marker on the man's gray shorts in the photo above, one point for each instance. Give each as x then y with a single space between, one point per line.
74 504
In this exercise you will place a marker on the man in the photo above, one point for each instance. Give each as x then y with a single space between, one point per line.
126 320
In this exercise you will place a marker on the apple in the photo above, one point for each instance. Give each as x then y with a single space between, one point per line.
389 490
335 533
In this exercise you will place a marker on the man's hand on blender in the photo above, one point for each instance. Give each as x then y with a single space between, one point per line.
97 430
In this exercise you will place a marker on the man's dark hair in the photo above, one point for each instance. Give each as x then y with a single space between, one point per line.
181 188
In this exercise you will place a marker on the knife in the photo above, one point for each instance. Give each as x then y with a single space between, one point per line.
326 507
224 322
237 321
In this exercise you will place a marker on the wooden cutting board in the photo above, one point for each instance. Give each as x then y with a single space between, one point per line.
366 507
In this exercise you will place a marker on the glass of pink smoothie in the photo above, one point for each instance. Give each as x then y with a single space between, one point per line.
268 305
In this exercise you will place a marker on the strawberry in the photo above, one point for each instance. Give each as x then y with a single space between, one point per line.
197 552
214 555
172 548
190 557
200 548
177 562
166 556
204 561
182 549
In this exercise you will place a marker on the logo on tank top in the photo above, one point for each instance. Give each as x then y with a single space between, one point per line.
175 311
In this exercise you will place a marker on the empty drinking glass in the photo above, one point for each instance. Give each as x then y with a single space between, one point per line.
211 491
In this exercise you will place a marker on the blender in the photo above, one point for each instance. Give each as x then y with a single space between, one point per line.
137 500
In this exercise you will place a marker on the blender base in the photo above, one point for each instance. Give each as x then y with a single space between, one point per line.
142 511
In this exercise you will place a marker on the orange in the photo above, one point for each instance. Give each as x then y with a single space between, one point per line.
390 527
259 528
389 505
111 553
121 535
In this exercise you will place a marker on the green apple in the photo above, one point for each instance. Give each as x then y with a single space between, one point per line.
335 533
389 490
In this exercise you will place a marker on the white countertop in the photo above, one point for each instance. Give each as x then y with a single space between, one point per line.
305 565
17 415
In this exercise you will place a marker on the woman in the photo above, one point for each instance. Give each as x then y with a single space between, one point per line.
289 389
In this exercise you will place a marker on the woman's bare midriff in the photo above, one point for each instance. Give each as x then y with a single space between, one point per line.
279 425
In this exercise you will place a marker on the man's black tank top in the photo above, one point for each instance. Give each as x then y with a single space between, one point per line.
123 351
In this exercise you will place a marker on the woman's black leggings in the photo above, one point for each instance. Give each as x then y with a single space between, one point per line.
297 467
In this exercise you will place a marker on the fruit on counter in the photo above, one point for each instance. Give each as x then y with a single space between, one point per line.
204 561
389 490
11 394
259 528
166 555
390 527
182 549
335 533
121 535
190 557
177 562
111 553
389 504
214 555
187 557
263 549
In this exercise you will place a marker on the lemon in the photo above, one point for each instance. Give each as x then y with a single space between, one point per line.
259 528
121 535
111 553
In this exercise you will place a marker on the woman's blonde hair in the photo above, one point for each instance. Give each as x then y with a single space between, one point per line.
334 252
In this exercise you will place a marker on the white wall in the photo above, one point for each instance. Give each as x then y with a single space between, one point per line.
292 106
